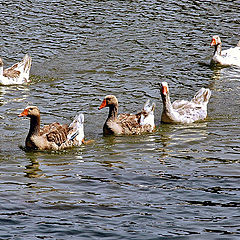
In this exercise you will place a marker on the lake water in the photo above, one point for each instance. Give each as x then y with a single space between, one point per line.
180 182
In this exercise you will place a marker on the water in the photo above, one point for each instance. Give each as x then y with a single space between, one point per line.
181 182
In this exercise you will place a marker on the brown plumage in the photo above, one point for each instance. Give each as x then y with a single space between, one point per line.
51 137
126 123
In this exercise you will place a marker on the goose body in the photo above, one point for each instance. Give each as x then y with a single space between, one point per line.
16 74
183 111
54 136
127 124
226 57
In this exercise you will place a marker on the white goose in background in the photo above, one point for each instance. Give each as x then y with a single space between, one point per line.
183 111
16 74
227 57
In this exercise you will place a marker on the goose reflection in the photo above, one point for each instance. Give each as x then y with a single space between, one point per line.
184 134
230 73
33 169
181 137
9 94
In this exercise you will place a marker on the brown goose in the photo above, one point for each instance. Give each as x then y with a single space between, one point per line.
54 136
127 123
16 74
183 111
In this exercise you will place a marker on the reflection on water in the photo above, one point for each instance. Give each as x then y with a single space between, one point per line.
33 169
216 74
230 73
179 140
13 94
183 134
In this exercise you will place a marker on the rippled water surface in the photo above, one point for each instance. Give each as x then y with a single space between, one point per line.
181 182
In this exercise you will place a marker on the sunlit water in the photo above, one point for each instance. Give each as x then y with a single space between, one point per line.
181 182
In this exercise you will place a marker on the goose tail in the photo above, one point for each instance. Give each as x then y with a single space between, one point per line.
27 62
147 114
24 67
202 96
77 132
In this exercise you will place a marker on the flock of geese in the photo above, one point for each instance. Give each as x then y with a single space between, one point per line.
57 137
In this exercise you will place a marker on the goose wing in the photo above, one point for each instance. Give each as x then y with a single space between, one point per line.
55 132
22 67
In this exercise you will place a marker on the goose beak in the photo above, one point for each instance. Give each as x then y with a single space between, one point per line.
24 113
164 90
213 43
103 105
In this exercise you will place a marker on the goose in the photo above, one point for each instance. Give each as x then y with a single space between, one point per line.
54 136
127 124
227 57
183 111
16 74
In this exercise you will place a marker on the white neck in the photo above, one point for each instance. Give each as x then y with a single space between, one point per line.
1 70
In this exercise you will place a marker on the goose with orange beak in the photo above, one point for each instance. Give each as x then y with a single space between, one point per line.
54 136
127 124
183 111
227 57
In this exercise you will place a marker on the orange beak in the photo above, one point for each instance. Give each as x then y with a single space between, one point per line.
103 105
213 43
24 113
164 90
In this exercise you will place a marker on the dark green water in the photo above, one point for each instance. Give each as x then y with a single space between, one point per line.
181 182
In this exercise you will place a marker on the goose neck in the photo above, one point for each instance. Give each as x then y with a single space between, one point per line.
34 126
1 70
167 105
113 111
218 49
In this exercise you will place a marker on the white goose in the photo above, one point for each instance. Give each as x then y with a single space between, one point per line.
16 74
227 57
183 111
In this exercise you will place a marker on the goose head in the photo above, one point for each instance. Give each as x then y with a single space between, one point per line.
108 101
164 89
215 40
30 111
